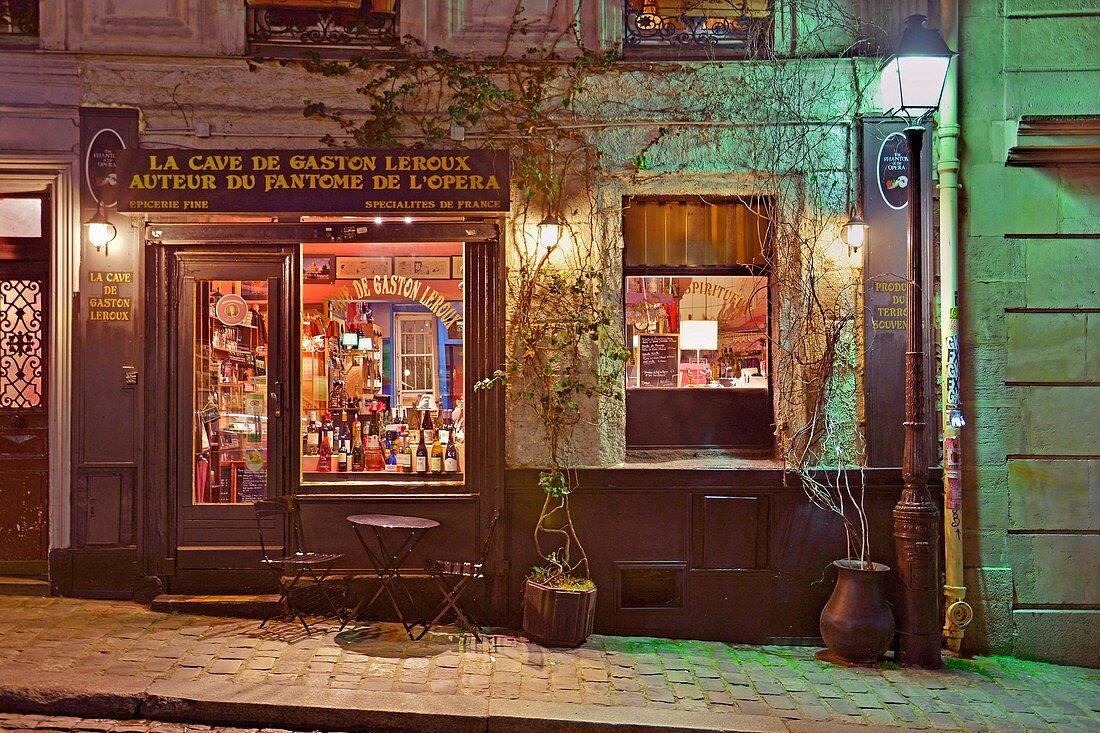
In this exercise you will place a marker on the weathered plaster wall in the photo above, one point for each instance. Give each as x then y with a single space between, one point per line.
1031 360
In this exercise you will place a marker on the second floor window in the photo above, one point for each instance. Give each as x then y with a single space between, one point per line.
282 27
696 29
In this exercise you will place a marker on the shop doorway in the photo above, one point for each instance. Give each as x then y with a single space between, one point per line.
228 420
24 380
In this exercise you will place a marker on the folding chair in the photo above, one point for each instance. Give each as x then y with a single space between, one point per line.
288 570
453 578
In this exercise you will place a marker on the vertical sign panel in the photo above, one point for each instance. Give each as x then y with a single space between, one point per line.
109 298
885 209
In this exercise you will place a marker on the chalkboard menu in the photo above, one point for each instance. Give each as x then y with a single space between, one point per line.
251 487
658 359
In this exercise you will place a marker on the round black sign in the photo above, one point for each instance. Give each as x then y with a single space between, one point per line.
100 166
893 171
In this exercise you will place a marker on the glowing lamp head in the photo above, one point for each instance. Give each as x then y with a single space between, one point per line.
100 231
912 79
550 229
855 232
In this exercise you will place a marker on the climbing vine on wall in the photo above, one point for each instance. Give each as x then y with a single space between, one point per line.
580 123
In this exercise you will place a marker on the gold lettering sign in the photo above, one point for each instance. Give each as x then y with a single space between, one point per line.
352 181
106 303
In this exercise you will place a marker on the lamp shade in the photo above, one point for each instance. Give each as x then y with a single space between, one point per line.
101 231
699 335
549 231
855 231
912 78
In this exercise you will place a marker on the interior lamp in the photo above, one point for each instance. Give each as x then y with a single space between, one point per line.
699 335
364 343
549 230
100 231
349 339
912 79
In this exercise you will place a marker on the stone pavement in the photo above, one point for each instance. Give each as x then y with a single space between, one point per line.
113 659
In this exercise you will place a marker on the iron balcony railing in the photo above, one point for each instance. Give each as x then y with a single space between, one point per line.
18 22
325 27
697 29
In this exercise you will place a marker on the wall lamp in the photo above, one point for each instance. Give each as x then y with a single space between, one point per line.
855 232
549 230
100 231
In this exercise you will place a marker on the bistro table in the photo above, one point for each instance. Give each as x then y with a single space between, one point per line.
404 532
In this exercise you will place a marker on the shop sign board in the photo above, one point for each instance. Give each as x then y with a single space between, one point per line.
885 168
314 182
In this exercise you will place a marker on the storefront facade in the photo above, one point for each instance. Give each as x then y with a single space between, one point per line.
259 286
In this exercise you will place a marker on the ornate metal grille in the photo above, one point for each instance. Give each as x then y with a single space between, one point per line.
18 20
371 25
20 344
697 28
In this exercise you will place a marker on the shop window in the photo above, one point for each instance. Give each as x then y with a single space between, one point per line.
687 29
382 363
697 311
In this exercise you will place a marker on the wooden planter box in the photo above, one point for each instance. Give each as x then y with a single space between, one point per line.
557 617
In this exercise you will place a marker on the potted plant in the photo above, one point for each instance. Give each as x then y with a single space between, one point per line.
563 355
857 623
559 598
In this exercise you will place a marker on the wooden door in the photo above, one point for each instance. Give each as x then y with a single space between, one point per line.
229 370
24 381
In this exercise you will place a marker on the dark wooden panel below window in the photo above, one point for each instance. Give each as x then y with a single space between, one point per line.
700 418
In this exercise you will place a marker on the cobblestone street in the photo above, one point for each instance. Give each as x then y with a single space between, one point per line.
107 640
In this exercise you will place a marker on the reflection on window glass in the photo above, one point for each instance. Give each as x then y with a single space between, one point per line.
230 377
698 331
382 361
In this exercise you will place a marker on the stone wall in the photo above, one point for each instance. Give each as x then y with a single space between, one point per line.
1031 360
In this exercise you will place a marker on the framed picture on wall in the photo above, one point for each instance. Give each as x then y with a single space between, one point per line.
318 268
457 269
353 268
423 268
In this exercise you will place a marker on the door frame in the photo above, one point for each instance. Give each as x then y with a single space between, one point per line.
161 476
60 174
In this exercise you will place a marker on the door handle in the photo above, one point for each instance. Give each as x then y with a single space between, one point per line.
276 402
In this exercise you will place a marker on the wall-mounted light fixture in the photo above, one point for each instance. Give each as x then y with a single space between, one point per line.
100 231
855 231
549 230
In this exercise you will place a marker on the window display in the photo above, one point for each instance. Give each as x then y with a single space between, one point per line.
230 378
698 331
382 355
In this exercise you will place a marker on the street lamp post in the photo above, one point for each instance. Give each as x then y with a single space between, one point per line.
912 81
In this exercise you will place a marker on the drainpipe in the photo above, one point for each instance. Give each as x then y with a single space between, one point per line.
958 613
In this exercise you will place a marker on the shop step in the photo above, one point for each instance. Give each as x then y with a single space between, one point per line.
24 585
243 606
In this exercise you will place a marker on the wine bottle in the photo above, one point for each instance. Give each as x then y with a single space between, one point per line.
358 454
450 459
324 453
426 426
342 451
421 455
404 457
391 462
313 434
435 457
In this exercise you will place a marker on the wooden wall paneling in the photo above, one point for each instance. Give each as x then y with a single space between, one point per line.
157 500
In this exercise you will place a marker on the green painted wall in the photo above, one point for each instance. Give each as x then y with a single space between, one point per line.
1031 334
